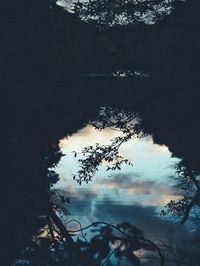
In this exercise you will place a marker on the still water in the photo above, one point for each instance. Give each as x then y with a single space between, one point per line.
136 194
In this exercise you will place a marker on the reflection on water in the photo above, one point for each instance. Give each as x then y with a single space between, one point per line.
127 12
136 193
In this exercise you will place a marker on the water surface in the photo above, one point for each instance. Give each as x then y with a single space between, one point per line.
135 193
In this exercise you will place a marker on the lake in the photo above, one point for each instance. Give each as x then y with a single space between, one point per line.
136 194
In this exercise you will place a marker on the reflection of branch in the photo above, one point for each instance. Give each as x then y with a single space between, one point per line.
112 253
157 249
81 229
61 227
95 156
73 252
188 181
195 199
99 223
53 238
193 202
193 179
126 236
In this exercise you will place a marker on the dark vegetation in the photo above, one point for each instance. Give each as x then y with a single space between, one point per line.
57 69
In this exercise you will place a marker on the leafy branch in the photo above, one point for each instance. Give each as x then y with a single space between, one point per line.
189 183
95 156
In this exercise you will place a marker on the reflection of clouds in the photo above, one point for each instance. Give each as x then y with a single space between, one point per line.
162 200
159 193
124 187
85 205
153 160
153 147
86 137
134 194
128 181
142 217
80 202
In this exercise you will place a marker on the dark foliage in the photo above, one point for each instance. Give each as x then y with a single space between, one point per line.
115 12
56 72
109 243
